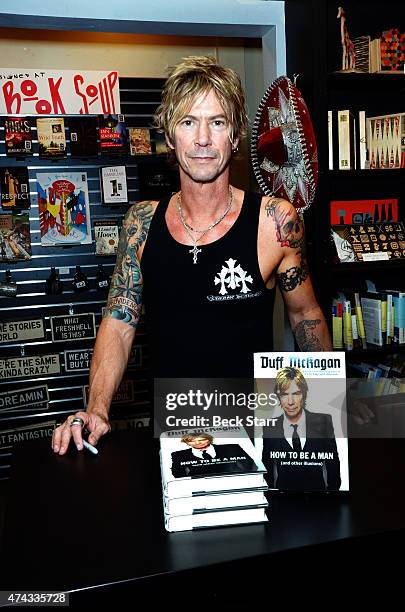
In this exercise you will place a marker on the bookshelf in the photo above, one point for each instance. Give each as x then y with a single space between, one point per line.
314 53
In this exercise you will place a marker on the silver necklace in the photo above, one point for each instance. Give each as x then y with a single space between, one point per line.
195 250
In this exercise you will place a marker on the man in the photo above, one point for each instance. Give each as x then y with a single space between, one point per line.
204 261
299 430
204 458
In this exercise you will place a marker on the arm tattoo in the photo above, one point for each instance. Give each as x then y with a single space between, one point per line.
288 223
305 335
125 295
292 277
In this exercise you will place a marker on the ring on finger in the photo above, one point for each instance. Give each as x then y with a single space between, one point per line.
77 421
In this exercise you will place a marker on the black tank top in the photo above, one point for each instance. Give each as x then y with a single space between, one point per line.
206 319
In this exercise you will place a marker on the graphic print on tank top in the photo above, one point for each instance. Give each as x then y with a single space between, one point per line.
233 283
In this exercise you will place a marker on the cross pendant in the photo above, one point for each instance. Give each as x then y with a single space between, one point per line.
195 250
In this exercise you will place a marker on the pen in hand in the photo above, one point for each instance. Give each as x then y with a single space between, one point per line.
89 447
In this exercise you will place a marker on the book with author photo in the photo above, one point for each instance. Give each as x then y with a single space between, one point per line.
210 459
302 437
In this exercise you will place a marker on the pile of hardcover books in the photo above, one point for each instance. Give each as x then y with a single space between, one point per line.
210 478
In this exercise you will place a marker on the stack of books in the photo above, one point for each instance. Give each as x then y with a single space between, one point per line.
211 478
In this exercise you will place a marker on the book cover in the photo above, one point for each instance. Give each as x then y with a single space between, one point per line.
15 237
360 212
139 141
371 242
215 459
371 306
215 519
392 43
302 435
15 187
344 248
156 180
113 135
83 136
64 213
51 137
18 136
160 144
106 234
114 185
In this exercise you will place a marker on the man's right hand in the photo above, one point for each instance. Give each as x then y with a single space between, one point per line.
98 425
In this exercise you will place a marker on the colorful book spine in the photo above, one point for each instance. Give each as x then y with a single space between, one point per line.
360 322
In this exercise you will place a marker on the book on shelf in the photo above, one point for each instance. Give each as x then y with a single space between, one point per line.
64 210
392 50
383 54
375 55
160 143
386 141
373 317
361 212
113 135
14 187
106 235
348 331
330 140
15 237
83 136
51 137
359 320
346 140
363 162
382 378
397 322
228 462
114 185
18 136
139 141
369 242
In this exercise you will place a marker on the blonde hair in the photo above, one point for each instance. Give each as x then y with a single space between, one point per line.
284 378
189 437
196 75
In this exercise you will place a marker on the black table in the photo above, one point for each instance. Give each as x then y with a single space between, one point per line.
93 525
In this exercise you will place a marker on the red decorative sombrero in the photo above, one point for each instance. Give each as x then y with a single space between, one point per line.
284 152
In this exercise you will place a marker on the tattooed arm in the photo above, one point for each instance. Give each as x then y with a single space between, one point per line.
306 318
116 332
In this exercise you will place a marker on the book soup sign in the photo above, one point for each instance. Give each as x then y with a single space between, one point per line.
58 92
67 328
